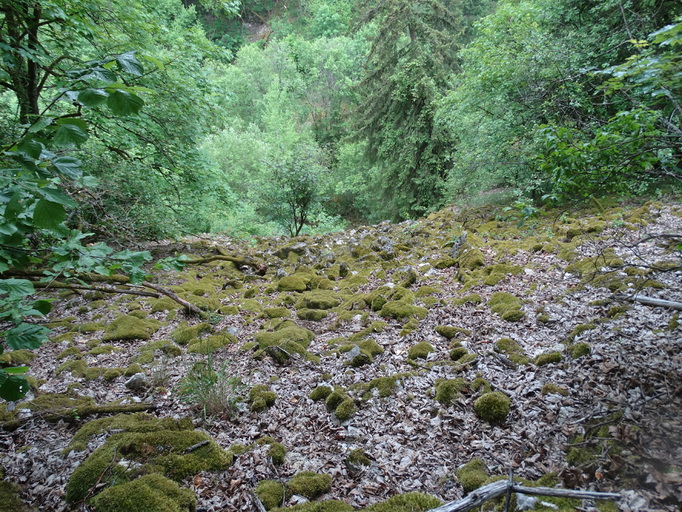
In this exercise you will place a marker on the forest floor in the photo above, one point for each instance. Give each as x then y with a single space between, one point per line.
593 380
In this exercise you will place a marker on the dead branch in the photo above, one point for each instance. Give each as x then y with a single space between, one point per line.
482 494
650 301
237 260
191 307
58 284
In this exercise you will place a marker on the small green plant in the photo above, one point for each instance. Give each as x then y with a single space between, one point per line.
213 392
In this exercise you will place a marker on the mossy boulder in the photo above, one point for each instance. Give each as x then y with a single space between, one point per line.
151 493
251 305
335 398
346 409
448 390
164 304
318 300
277 312
472 475
399 310
548 358
211 343
311 485
294 283
112 374
272 493
507 306
184 334
420 351
164 452
130 328
473 298
320 393
458 353
287 332
470 258
492 407
260 397
449 332
313 315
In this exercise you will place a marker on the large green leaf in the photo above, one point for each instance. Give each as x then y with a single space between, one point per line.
123 103
28 336
70 133
57 196
48 215
14 207
40 124
127 62
68 166
12 387
31 148
17 288
93 97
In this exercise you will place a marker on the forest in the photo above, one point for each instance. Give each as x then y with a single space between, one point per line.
205 169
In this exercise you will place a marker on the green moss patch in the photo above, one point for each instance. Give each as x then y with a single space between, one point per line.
448 390
550 388
277 312
449 332
311 485
579 350
318 300
151 493
9 498
183 334
409 502
548 358
260 397
492 407
130 328
399 310
507 306
420 351
313 315
211 343
473 298
473 475
18 357
295 283
272 493
173 454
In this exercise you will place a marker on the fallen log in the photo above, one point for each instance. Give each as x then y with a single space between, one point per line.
488 492
650 301
191 307
67 414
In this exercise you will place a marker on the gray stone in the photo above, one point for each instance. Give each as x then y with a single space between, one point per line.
137 381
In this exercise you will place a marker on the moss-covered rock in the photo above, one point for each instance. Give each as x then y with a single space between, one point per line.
346 409
272 493
399 310
183 334
458 353
251 305
507 306
211 343
579 350
420 351
151 493
448 390
311 485
492 407
318 300
449 331
130 328
294 283
164 304
548 358
112 374
103 349
473 298
277 312
261 397
313 315
277 452
288 333
473 474
320 393
358 457
164 452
